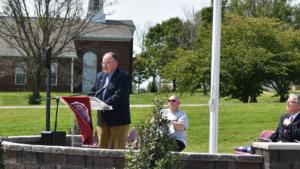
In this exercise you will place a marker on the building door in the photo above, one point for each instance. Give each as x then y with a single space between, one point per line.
89 71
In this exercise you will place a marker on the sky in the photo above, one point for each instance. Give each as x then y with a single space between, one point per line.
154 11
146 13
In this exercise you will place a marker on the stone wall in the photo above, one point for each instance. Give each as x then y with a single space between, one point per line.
23 156
25 153
221 161
18 155
279 155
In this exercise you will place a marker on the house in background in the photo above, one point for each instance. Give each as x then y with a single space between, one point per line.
75 69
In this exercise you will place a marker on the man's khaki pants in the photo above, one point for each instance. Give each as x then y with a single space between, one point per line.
113 137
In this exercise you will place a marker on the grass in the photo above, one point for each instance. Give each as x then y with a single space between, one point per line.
21 98
239 124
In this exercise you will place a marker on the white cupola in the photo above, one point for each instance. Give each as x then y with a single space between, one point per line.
96 11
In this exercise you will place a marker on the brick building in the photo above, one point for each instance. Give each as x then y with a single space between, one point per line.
76 69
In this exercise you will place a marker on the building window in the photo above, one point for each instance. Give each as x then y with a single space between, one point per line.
20 74
54 74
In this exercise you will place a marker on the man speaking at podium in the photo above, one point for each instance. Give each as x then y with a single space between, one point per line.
112 86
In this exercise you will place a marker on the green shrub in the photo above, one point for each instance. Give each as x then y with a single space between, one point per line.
152 87
165 88
33 99
155 145
1 154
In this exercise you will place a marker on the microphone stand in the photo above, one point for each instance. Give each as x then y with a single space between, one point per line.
55 137
57 98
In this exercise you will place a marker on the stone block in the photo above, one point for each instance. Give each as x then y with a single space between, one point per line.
271 155
75 161
280 166
119 163
288 156
99 162
211 157
295 165
249 165
53 159
231 165
221 165
249 158
194 164
29 158
32 166
14 166
49 166
10 156
258 151
69 167
267 165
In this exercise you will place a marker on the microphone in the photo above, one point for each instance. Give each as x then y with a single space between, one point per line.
99 91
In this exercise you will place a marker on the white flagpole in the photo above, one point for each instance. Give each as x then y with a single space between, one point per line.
215 76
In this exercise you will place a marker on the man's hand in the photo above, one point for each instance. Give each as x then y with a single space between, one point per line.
286 122
178 126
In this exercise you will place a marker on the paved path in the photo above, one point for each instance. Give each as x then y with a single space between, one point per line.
134 105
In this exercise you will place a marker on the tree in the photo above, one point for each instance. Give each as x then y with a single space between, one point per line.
161 42
7 66
283 67
242 73
140 36
296 16
262 53
31 26
191 67
190 26
254 54
191 70
139 71
280 9
247 42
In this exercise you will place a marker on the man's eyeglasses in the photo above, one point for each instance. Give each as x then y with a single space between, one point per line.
172 100
293 102
107 63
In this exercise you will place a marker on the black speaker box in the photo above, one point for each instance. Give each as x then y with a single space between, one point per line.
53 138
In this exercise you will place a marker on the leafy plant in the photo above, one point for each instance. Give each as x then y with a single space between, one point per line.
33 99
155 144
1 153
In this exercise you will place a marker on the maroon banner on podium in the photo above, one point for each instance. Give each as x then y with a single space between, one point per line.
81 107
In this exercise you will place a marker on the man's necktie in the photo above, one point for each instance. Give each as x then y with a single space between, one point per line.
291 118
105 86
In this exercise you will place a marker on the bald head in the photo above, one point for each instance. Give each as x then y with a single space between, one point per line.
109 62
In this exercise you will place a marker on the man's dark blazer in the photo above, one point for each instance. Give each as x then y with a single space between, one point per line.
116 95
289 133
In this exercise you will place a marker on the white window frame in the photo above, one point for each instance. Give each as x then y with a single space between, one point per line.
20 70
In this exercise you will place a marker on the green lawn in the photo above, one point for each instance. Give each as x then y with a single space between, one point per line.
239 124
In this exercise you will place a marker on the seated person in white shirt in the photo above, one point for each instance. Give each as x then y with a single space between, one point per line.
178 122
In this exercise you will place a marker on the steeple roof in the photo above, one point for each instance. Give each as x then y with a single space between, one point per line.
95 10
